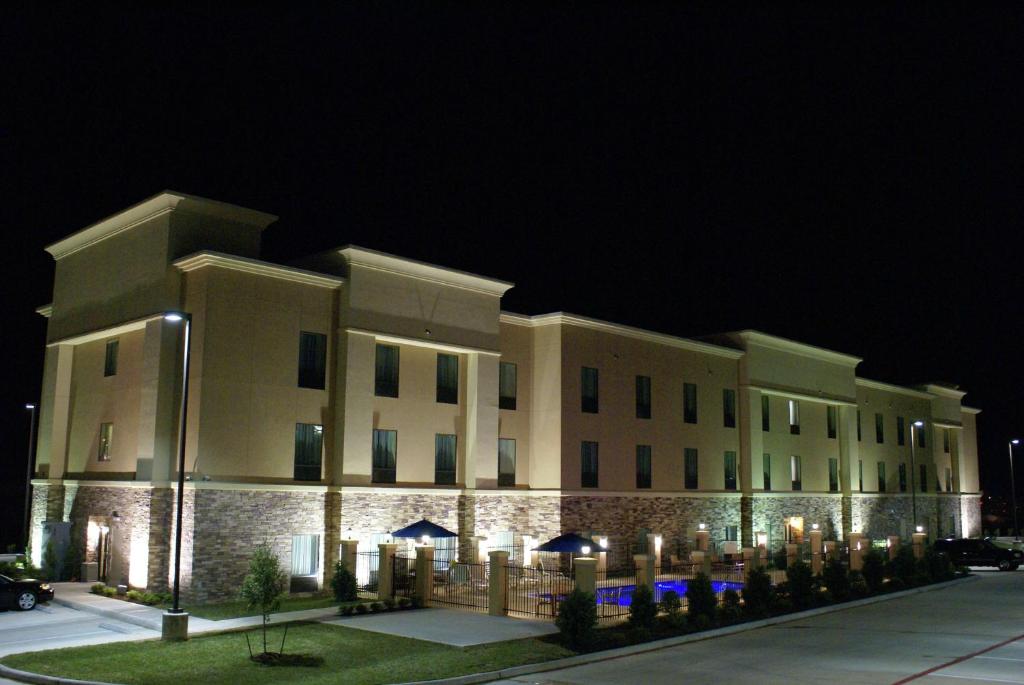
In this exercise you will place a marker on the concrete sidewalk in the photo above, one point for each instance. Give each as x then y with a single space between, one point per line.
447 626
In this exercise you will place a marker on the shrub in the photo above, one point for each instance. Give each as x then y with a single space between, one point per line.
52 566
903 566
670 603
404 603
109 591
151 598
858 586
361 608
347 610
730 611
939 566
757 594
700 597
642 609
343 583
779 558
800 583
97 588
133 595
377 606
390 604
873 570
896 584
699 622
837 580
577 618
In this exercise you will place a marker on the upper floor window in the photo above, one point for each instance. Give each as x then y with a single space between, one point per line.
506 462
690 468
923 468
919 433
444 459
795 473
729 408
385 455
588 390
309 442
730 470
833 474
766 470
643 397
385 378
879 428
312 360
881 476
689 403
110 359
945 440
447 378
106 445
766 422
901 431
794 417
506 385
588 464
831 420
858 425
643 466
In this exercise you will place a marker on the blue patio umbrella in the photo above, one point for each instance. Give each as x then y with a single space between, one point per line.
424 527
568 542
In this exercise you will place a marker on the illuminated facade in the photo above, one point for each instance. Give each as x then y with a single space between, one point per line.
358 392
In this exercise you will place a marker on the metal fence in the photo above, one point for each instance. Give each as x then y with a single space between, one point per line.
368 574
460 584
534 591
404 575
613 591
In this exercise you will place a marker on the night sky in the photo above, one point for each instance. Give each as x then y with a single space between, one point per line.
850 179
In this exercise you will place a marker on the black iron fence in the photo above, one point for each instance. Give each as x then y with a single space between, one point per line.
368 574
460 584
404 576
613 591
532 591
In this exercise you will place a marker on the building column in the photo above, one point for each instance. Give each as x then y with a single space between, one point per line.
159 403
351 456
954 458
751 452
481 458
849 454
55 411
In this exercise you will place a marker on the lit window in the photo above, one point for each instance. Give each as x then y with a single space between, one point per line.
794 417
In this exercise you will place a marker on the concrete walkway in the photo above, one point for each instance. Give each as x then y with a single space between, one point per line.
456 628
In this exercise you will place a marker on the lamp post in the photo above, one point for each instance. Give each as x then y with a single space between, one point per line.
1013 493
28 471
913 468
175 621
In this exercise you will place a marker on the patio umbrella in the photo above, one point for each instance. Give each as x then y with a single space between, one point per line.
568 542
424 527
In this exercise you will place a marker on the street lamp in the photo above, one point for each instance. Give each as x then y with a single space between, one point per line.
29 469
1013 493
175 621
913 468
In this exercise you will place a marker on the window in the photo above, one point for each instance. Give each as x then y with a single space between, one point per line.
312 360
860 475
385 382
643 397
689 403
794 417
110 359
920 436
900 431
766 470
949 480
506 462
881 476
106 441
833 474
385 453
588 464
643 466
730 470
444 459
305 563
729 408
506 385
309 441
795 473
879 429
588 390
766 423
945 440
903 477
732 533
858 425
830 420
923 468
690 468
447 378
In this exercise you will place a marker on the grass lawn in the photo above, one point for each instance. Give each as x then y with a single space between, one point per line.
351 656
235 609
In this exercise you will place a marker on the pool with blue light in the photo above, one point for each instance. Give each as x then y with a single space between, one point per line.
622 595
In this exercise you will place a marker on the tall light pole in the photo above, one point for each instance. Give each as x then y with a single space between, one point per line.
913 469
1013 493
175 621
28 471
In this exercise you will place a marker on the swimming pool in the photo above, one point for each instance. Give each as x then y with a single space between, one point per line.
622 595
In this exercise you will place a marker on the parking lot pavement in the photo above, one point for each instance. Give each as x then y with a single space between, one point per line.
1001 664
50 626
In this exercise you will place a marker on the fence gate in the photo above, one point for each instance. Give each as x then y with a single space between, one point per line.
403 576
367 574
535 592
460 585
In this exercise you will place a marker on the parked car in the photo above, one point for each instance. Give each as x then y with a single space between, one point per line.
975 552
23 595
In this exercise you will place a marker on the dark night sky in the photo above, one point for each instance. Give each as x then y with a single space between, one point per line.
846 178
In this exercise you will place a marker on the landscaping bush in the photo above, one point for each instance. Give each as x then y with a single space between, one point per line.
343 583
895 585
903 566
151 598
347 610
377 606
361 608
264 586
404 603
97 588
779 559
642 609
390 604
858 586
837 580
800 584
671 604
700 598
757 594
873 570
133 595
51 565
938 565
109 591
730 611
577 618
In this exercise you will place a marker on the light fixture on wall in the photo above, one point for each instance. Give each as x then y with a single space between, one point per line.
701 526
814 526
115 517
585 549
919 529
426 331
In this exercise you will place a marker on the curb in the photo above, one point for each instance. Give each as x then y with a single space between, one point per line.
107 613
38 679
655 645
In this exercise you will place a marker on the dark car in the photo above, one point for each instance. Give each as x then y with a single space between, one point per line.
23 594
975 552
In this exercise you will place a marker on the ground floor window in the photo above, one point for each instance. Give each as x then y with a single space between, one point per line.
305 563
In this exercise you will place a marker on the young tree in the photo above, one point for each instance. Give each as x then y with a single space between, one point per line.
264 586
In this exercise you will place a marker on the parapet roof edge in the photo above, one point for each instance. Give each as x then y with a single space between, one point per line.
203 258
891 387
382 261
969 410
795 347
46 310
630 331
943 390
161 203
